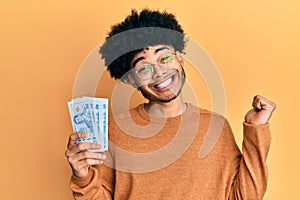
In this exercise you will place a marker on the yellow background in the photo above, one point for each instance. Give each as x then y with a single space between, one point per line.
255 45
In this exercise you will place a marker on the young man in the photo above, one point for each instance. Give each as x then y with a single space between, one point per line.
154 149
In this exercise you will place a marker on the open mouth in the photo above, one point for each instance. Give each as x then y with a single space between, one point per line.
164 85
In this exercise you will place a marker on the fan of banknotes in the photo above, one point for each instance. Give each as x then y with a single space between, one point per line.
89 115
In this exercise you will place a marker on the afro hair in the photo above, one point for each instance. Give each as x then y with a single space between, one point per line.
136 32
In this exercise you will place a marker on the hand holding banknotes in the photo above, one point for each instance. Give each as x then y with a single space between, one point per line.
81 156
90 139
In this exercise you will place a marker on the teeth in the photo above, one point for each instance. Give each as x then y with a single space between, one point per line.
165 83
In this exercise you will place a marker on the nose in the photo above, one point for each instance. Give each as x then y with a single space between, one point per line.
158 70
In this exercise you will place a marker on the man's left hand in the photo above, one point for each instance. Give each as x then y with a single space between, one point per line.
261 112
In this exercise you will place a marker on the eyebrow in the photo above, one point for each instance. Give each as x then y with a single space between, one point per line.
137 60
160 49
142 57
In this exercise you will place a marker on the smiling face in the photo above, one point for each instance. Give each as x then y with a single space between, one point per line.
157 71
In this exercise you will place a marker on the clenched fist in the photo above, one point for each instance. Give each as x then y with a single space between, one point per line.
261 111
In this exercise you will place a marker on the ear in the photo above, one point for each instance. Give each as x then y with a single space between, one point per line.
132 81
181 61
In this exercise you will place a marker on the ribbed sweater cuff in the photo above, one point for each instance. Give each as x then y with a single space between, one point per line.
249 128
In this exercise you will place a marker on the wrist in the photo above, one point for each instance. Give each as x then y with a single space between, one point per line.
81 174
83 181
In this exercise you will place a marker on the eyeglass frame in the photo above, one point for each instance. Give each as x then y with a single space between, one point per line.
152 66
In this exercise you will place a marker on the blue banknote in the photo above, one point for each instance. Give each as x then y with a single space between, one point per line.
89 115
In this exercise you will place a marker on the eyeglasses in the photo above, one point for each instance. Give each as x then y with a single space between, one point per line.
146 71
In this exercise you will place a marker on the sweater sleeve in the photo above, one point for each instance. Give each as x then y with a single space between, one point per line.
99 184
251 179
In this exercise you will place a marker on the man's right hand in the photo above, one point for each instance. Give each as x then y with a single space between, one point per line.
79 158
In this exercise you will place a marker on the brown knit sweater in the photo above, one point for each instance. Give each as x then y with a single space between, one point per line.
191 156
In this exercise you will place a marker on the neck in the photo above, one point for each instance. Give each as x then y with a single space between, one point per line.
166 109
